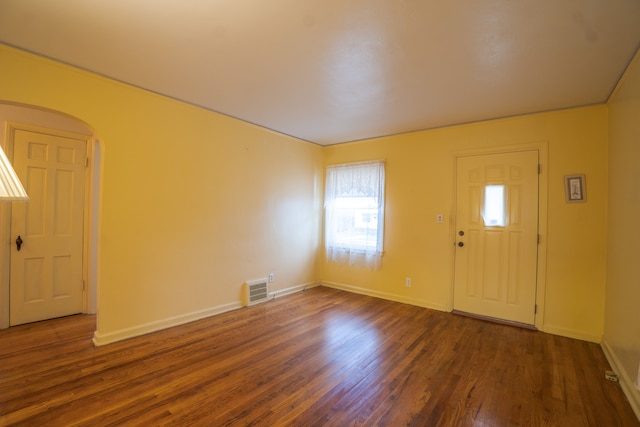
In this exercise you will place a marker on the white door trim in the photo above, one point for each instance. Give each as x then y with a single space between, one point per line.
91 219
543 149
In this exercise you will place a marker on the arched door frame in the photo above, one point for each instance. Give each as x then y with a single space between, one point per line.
16 116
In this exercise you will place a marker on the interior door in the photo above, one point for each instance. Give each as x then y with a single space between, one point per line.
46 279
497 235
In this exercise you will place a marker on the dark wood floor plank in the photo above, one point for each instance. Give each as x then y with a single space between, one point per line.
320 357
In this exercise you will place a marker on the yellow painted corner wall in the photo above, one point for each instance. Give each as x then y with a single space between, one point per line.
622 313
193 203
419 186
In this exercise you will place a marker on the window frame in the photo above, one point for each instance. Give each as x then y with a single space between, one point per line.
348 182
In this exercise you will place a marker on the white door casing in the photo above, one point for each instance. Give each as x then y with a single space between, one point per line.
496 259
46 277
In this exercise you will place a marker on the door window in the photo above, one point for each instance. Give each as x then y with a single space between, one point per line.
493 211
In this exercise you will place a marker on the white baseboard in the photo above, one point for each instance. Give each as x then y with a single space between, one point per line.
626 383
134 331
292 290
570 333
385 295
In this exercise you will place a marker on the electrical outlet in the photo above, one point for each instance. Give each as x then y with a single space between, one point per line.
611 376
271 277
407 282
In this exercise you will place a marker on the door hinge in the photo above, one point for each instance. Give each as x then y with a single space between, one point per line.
535 309
539 239
84 285
86 162
539 168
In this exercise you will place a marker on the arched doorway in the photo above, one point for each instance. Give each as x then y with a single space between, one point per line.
21 117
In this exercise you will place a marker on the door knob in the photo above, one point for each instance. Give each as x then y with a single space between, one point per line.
461 244
19 243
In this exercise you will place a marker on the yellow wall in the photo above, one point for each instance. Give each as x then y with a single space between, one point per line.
194 203
622 318
419 174
171 248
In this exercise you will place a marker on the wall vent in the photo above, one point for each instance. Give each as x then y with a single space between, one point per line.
257 291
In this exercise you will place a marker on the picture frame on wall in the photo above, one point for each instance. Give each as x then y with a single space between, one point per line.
575 188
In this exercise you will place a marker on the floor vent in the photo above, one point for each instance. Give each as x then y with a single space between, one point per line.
257 291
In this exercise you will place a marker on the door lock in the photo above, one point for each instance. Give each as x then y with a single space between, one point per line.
461 244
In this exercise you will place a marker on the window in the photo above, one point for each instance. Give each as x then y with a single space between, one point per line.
354 213
494 209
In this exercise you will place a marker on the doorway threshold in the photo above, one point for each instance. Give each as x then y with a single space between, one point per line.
495 320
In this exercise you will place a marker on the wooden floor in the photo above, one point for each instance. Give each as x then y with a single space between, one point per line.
317 358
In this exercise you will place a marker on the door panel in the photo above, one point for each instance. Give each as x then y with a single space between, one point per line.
496 235
46 273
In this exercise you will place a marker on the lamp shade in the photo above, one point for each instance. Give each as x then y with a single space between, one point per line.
11 190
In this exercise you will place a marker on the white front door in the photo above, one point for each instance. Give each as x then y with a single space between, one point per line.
46 277
497 235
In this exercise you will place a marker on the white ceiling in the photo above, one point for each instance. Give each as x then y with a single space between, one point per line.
331 71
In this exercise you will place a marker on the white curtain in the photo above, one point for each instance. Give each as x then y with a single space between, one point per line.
354 213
